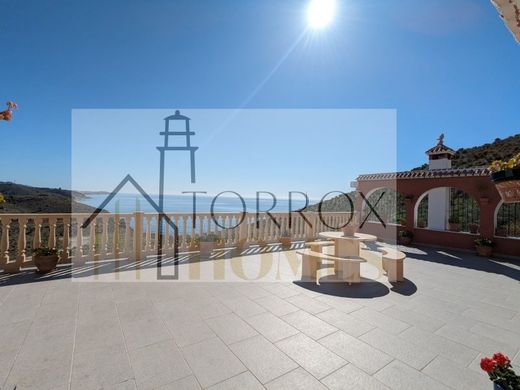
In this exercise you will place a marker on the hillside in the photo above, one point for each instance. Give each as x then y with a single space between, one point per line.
478 156
484 155
25 199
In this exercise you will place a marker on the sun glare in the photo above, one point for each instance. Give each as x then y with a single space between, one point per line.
320 13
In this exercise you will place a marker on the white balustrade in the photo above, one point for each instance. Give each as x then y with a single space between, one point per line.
135 235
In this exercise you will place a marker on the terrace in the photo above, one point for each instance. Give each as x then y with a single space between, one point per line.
108 323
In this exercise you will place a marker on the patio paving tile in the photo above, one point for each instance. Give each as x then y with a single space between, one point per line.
271 327
357 352
345 322
240 382
308 324
478 342
497 334
58 334
414 355
158 364
251 291
231 328
308 304
380 320
276 305
45 357
212 361
297 379
244 307
189 331
340 303
187 383
352 378
420 320
280 290
440 345
262 358
313 357
100 368
11 340
399 376
106 333
144 332
455 375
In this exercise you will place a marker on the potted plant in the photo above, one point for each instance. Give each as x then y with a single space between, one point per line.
506 176
207 243
454 223
402 222
473 228
2 201
484 246
500 372
405 237
241 245
45 259
262 243
421 223
285 239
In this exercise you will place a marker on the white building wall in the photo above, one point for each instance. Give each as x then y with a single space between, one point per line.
438 208
439 199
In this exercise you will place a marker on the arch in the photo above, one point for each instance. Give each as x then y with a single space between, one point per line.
391 208
459 206
507 226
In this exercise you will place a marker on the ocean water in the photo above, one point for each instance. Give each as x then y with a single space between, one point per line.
129 203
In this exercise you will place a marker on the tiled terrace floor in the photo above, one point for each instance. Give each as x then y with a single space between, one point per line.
426 333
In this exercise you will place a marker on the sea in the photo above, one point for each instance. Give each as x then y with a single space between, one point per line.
129 203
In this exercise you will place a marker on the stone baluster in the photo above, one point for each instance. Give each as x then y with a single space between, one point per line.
242 232
52 232
148 242
138 235
92 240
184 221
65 253
79 238
128 233
154 244
104 237
4 253
37 239
22 229
115 240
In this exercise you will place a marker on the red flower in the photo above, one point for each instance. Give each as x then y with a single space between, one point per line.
501 359
488 364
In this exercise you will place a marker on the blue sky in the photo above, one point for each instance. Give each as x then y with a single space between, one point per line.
246 150
442 65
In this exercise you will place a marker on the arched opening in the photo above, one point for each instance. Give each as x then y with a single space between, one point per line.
446 208
387 203
507 220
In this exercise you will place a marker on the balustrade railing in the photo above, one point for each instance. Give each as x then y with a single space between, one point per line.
135 235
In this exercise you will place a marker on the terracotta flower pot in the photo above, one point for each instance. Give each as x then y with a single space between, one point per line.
507 183
473 228
454 227
206 248
485 251
45 263
349 230
285 242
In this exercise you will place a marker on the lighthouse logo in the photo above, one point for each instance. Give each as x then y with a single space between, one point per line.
171 135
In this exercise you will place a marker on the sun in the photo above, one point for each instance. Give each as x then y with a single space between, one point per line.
320 13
